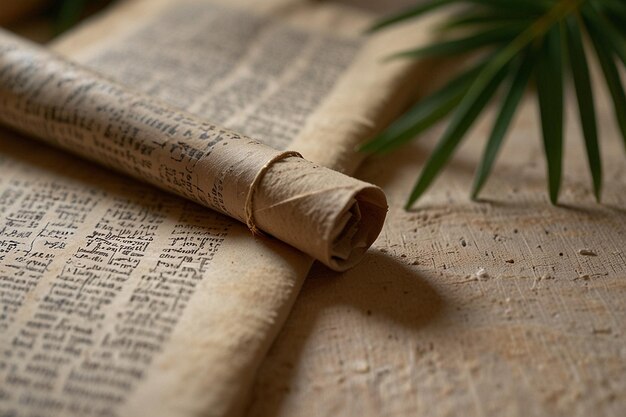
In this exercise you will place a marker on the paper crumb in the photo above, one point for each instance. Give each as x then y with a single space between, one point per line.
481 273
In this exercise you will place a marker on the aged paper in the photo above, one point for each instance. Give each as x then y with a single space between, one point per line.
118 299
327 215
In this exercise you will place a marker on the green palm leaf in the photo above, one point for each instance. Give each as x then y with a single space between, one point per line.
470 107
542 38
616 7
615 11
550 92
425 113
587 112
410 14
613 81
503 120
69 14
485 18
421 9
489 36
604 29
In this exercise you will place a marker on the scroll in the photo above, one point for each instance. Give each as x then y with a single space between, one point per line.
325 214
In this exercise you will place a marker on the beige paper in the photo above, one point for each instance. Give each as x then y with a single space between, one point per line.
121 300
327 215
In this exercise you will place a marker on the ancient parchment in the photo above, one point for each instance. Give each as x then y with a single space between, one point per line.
119 299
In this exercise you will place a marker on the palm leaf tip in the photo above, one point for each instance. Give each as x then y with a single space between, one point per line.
510 103
550 93
579 69
468 110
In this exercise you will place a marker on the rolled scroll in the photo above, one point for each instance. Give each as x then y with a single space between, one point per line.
325 214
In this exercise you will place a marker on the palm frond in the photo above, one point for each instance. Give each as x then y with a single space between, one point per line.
501 125
474 101
605 30
411 13
490 36
550 93
425 113
484 18
613 81
531 41
587 112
